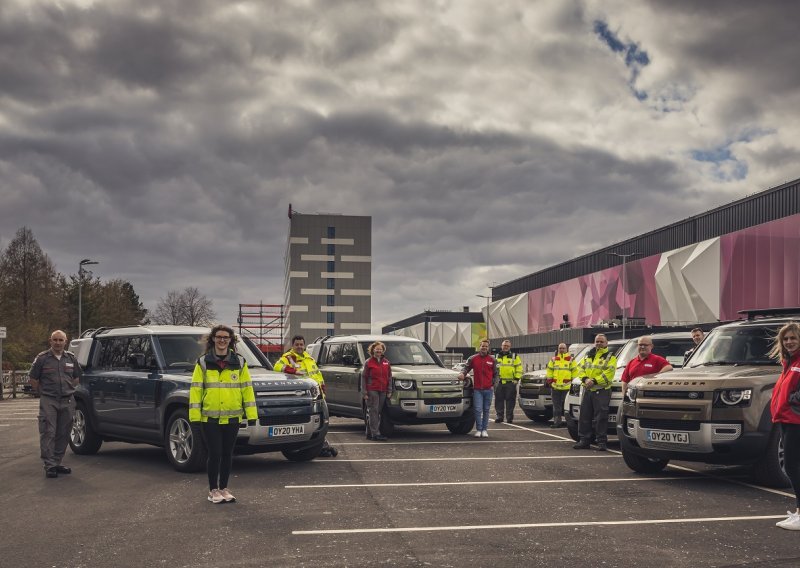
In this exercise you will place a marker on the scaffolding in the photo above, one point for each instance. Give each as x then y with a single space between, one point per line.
264 325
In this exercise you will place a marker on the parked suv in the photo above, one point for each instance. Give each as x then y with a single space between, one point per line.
425 392
135 388
715 410
535 395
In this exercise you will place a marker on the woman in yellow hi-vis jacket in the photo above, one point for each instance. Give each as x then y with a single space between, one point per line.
220 394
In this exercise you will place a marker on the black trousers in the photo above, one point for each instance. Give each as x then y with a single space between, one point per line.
219 439
791 455
505 399
559 396
594 415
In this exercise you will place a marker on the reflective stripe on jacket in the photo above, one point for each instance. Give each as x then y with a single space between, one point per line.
598 365
562 369
225 394
290 363
509 366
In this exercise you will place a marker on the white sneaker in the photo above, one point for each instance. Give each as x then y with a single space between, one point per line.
477 433
227 495
484 434
792 523
215 496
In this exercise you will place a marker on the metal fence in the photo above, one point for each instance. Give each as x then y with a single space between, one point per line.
16 383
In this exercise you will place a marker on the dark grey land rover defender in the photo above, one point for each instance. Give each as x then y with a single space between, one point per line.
135 388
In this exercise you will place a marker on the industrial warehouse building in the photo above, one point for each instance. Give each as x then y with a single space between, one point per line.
702 270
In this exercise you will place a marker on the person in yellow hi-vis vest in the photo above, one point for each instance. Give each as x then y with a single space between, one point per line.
561 369
509 368
596 372
221 392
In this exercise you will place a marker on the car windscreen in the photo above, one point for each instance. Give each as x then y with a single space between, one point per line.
672 350
405 353
735 346
182 351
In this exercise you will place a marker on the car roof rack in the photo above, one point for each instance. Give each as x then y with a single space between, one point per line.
769 312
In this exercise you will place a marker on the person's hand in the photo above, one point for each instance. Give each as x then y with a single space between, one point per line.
366 397
550 382
589 383
461 376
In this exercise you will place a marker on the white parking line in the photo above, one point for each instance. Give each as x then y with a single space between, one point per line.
734 481
542 525
577 456
378 445
438 430
509 482
541 432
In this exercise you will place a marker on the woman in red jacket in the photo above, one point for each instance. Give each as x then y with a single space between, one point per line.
785 406
376 384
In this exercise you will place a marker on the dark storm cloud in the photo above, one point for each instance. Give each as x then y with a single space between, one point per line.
486 144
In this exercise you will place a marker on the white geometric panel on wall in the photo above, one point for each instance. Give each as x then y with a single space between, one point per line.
417 331
687 283
508 317
464 335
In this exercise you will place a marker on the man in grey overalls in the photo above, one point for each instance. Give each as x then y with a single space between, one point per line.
54 375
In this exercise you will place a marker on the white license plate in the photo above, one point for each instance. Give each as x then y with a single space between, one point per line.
669 437
295 430
442 407
527 401
612 416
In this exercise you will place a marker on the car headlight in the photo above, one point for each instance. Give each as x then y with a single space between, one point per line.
631 394
404 384
315 392
732 397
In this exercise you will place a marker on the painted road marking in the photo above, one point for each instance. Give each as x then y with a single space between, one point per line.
376 445
541 525
579 456
509 482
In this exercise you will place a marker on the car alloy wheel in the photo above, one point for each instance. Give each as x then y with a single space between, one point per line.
181 440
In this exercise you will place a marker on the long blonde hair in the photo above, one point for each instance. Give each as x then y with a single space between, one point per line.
778 352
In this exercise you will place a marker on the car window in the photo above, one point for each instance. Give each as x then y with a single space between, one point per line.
735 346
406 353
673 350
350 354
139 355
181 351
332 354
113 352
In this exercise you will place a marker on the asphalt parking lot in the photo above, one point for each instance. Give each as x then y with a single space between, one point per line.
522 497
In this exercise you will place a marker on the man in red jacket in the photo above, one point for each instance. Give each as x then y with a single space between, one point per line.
646 364
484 379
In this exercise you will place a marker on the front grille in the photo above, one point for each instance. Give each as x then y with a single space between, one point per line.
615 388
666 424
441 400
281 420
682 395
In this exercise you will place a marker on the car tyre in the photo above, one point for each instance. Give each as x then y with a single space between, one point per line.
183 442
463 426
83 440
572 428
306 454
641 464
769 470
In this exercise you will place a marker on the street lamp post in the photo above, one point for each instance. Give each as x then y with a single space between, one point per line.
81 264
624 258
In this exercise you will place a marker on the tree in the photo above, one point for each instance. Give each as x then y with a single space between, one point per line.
30 298
104 303
186 307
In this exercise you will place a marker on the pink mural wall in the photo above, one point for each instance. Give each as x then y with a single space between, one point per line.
760 267
589 299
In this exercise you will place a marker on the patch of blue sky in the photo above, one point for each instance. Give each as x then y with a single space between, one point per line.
634 56
724 165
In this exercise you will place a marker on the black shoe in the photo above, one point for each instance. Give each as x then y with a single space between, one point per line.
498 420
380 438
63 469
369 436
555 426
51 472
581 446
510 420
601 447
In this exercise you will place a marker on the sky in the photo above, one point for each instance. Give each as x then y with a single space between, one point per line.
165 139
